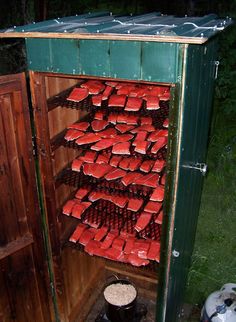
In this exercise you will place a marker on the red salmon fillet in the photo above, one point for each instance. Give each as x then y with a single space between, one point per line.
72 134
153 207
132 120
111 83
79 209
119 201
154 251
135 204
123 84
140 136
107 92
115 174
77 233
112 118
114 254
87 167
145 127
159 218
165 96
152 102
109 239
124 127
147 166
148 180
122 118
158 165
129 245
124 137
81 126
101 233
88 157
87 235
97 100
88 138
163 180
103 158
93 86
141 248
99 115
95 195
160 143
98 170
92 246
125 89
117 100
108 133
134 164
78 94
67 208
81 193
121 148
118 243
115 160
145 120
99 125
141 146
137 92
134 260
76 165
166 123
154 136
124 163
133 104
143 220
157 90
104 144
158 194
131 177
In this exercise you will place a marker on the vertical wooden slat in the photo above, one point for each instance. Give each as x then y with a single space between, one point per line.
38 91
20 211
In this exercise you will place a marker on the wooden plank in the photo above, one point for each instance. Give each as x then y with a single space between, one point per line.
81 273
157 38
20 211
39 101
8 228
22 287
16 245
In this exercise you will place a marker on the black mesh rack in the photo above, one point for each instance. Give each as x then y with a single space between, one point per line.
78 179
153 266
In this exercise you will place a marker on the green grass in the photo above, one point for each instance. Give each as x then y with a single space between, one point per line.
214 261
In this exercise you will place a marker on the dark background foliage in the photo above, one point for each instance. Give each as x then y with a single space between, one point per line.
213 260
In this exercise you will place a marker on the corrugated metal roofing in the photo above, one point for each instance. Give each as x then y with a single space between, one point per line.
152 26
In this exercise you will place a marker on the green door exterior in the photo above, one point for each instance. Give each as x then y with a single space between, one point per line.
190 69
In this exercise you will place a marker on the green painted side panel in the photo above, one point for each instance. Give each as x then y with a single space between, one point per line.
94 58
159 61
125 59
38 54
64 56
103 58
196 122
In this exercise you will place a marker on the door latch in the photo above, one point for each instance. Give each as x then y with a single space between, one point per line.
217 63
202 167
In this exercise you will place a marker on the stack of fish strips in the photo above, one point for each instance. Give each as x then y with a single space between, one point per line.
120 144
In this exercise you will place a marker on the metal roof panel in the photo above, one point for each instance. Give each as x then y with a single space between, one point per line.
93 25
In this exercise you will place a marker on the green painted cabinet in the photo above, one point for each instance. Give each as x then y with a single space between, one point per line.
178 52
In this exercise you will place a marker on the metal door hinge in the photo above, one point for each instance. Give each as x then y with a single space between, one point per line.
34 144
202 167
217 63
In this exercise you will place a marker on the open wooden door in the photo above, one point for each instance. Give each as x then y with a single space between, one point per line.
24 282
